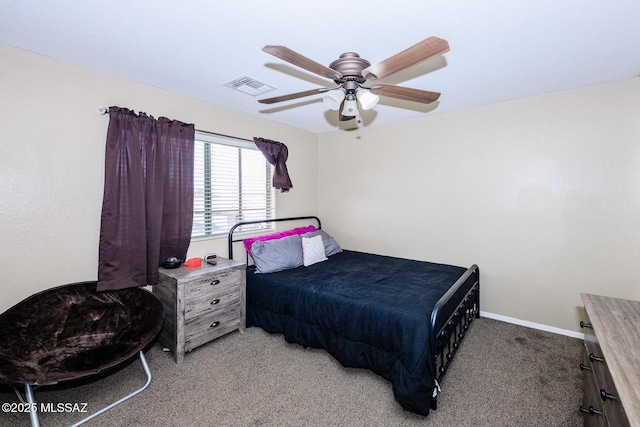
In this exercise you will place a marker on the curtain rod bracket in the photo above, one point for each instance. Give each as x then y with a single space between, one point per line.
103 110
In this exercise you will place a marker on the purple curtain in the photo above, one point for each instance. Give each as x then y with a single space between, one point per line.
147 208
276 153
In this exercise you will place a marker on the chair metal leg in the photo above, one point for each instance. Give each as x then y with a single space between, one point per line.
145 366
33 411
33 414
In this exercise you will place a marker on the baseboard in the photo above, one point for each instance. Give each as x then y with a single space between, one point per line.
532 325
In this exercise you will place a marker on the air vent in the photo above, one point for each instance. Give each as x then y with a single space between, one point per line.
249 85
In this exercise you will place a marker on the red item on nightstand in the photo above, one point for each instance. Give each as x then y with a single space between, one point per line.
193 262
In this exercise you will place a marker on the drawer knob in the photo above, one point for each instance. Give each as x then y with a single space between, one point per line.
584 367
590 411
604 395
585 325
215 301
595 358
214 282
214 324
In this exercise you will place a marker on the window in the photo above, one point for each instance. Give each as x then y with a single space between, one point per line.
232 182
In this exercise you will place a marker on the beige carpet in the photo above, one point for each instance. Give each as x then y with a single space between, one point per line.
503 375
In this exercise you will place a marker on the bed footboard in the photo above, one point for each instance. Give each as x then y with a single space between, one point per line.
451 318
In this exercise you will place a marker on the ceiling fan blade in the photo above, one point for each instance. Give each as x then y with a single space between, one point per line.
301 61
293 96
408 94
426 49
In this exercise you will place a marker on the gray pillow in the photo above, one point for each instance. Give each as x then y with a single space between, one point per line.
331 247
277 255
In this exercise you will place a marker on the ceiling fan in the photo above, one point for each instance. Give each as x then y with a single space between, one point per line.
350 72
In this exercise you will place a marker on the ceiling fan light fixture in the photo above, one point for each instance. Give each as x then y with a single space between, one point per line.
350 107
333 99
367 99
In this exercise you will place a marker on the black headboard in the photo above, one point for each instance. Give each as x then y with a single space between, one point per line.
264 221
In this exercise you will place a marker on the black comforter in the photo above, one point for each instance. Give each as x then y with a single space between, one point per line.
368 311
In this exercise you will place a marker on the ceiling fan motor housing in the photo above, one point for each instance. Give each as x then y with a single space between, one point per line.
350 65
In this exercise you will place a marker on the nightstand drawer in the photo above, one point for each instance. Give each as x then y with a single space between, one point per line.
204 303
211 326
212 283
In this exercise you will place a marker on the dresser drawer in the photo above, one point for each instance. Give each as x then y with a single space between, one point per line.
203 303
592 406
212 325
612 405
600 386
594 352
212 283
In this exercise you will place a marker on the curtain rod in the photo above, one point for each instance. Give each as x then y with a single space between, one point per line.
225 136
105 110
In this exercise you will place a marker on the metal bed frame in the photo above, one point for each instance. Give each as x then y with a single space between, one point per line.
446 342
264 221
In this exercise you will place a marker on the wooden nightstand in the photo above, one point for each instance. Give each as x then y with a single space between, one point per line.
201 304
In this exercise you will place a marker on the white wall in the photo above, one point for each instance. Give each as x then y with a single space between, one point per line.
542 193
52 165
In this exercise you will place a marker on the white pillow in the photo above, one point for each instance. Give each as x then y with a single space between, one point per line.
312 250
331 247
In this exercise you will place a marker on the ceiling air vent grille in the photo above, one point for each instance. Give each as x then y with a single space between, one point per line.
249 85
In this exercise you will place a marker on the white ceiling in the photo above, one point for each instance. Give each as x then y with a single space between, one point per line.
500 49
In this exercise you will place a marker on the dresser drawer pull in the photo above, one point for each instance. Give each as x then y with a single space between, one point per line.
604 395
585 325
591 410
215 301
584 367
214 282
595 358
214 324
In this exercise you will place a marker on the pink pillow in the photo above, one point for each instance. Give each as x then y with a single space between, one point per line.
279 235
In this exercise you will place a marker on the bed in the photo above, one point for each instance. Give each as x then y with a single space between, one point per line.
403 319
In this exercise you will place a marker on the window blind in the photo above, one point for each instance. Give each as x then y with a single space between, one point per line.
232 183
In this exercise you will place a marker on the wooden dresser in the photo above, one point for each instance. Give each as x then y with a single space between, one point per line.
611 362
201 304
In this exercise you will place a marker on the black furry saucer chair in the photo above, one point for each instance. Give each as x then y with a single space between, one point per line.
72 332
